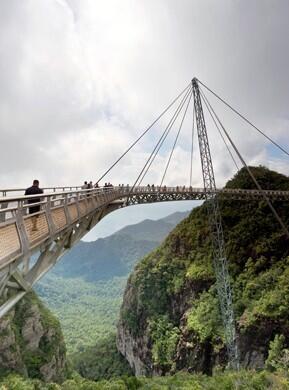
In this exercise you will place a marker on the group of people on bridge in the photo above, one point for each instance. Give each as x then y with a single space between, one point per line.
35 190
89 185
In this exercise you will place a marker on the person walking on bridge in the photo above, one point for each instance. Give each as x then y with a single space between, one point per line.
34 190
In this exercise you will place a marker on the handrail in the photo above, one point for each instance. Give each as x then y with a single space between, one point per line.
55 196
120 189
6 199
44 188
63 217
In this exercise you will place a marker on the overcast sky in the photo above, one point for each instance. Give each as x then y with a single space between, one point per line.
81 79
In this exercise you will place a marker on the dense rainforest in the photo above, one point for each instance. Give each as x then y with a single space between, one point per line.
170 319
169 332
85 288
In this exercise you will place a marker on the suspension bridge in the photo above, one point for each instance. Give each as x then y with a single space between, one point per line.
66 214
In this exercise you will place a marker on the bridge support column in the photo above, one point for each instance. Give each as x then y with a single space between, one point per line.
18 278
217 236
16 284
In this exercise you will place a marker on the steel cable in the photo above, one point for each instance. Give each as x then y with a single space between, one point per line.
143 134
245 119
160 142
177 137
192 147
252 175
209 110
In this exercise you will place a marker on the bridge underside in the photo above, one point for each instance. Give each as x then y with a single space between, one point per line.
19 276
63 219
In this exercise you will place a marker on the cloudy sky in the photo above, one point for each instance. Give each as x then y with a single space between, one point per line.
81 79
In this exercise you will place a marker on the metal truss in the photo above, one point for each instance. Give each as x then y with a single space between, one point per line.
215 223
172 194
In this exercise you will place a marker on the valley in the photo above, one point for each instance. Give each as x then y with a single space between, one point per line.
84 290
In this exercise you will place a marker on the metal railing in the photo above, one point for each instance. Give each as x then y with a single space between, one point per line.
64 217
9 204
18 191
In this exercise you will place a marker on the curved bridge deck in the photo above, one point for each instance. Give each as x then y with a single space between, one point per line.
65 217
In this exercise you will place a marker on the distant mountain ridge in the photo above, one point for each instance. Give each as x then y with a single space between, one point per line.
152 230
85 288
116 255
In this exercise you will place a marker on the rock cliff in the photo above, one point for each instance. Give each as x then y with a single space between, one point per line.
169 319
31 342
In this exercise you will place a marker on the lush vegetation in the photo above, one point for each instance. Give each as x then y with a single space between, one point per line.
243 380
171 304
173 287
32 341
115 255
85 293
164 337
84 289
102 361
88 312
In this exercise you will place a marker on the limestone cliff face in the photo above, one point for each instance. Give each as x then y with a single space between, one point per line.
31 342
169 318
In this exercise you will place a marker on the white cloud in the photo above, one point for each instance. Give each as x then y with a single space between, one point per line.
82 78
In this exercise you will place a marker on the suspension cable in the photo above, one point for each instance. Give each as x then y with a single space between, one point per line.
252 175
245 119
163 137
209 110
144 133
192 147
160 142
177 137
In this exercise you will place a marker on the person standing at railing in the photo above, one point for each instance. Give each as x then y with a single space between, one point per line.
34 190
85 186
89 186
107 186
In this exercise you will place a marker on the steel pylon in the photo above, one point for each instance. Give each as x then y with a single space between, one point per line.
218 245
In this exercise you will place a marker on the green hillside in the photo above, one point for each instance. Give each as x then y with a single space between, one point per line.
104 258
155 231
169 324
170 319
32 343
88 312
115 255
85 288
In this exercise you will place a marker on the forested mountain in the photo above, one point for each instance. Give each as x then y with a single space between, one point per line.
169 322
115 255
170 319
150 230
85 288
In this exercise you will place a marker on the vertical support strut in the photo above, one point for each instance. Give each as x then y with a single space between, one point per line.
218 244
